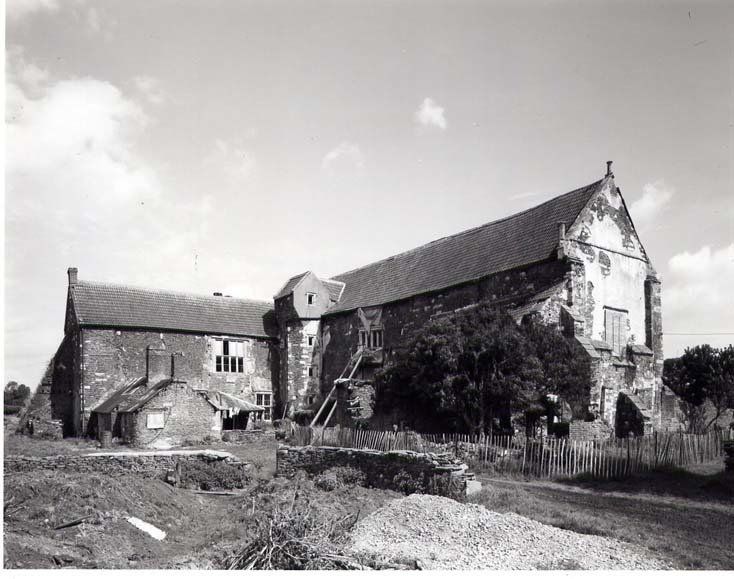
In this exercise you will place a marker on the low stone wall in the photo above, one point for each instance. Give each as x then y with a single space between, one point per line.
153 464
383 470
245 436
580 430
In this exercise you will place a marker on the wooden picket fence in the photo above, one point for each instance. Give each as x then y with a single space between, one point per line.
536 457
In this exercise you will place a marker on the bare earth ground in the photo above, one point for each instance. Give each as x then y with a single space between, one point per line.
683 518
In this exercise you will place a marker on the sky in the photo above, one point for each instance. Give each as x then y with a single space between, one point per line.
228 145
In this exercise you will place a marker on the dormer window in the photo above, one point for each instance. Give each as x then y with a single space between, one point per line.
310 298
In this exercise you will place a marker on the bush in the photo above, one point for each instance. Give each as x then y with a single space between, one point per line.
407 484
214 475
327 481
445 485
349 476
338 477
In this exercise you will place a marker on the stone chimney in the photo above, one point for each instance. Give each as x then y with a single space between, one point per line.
561 231
72 272
609 169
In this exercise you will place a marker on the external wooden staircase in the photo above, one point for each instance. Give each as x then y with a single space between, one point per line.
346 376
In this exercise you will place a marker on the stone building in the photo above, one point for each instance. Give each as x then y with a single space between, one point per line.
574 262
200 347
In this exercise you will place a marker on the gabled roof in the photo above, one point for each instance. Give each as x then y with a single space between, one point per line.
521 239
335 288
290 284
121 306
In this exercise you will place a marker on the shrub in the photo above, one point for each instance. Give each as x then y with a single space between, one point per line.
349 476
327 481
215 475
446 485
407 484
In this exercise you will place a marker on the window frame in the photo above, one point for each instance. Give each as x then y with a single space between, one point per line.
155 413
615 322
267 414
372 339
224 362
311 298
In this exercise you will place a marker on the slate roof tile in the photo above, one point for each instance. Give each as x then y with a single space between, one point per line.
122 306
521 239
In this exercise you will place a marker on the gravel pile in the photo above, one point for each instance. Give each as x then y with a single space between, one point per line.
439 533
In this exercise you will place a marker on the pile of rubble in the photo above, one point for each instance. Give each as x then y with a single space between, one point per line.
431 532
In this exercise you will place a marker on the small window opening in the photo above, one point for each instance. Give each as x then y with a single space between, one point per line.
264 399
311 340
310 298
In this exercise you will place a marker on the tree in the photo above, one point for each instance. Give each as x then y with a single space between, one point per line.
15 396
702 376
473 370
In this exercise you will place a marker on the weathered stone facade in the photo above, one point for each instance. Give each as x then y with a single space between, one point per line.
574 262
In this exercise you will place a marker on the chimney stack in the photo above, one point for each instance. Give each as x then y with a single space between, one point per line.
72 272
609 169
561 230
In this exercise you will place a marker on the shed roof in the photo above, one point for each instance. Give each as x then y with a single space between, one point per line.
123 306
521 239
135 394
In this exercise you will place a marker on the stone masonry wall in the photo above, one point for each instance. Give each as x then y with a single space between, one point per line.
186 416
401 319
379 468
113 357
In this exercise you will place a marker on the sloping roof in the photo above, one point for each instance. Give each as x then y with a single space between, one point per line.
335 288
521 239
141 397
122 306
290 284
128 395
233 403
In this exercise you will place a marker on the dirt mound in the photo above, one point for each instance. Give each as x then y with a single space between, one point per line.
38 502
439 533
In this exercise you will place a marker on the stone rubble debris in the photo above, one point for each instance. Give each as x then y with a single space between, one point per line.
433 532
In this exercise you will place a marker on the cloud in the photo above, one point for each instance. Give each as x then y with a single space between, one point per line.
231 160
655 199
430 114
697 296
150 88
344 154
78 193
19 9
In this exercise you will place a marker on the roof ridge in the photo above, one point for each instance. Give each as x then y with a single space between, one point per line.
471 230
166 291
